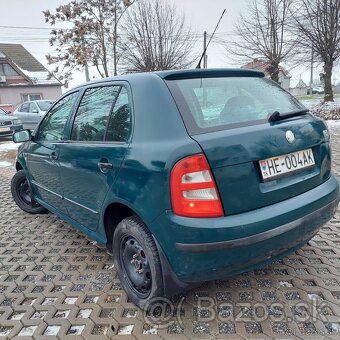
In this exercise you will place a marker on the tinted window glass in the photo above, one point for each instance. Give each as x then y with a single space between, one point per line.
45 105
93 113
9 70
52 126
25 107
119 123
2 112
217 103
33 107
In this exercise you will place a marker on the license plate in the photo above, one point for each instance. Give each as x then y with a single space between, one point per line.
4 129
279 166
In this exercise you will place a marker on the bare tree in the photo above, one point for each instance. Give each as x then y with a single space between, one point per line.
318 26
90 39
155 38
261 33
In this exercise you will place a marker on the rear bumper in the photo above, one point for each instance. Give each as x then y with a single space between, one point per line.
208 249
325 213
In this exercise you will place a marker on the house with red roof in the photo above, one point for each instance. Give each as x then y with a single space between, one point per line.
263 66
23 78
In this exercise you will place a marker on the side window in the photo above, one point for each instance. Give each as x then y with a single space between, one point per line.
33 106
25 107
52 126
119 123
93 113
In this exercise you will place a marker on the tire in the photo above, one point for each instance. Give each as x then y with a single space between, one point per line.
21 193
137 261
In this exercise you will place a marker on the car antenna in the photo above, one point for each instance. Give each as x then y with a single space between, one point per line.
205 50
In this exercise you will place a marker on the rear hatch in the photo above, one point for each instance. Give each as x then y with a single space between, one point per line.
261 144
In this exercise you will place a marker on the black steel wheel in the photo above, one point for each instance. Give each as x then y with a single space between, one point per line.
22 195
137 261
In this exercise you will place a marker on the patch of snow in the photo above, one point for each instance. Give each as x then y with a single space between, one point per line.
17 316
38 77
4 331
52 330
333 123
285 284
70 300
131 314
313 296
7 146
125 330
49 301
5 164
62 314
76 330
151 330
84 313
335 327
38 315
28 331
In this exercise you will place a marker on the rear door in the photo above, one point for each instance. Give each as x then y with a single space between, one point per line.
254 160
91 158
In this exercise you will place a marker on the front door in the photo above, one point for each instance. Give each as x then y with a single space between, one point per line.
43 154
90 159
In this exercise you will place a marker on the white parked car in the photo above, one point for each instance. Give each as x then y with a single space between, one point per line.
8 124
30 113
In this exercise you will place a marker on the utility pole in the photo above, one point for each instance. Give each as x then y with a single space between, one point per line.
115 41
86 66
205 49
87 74
311 73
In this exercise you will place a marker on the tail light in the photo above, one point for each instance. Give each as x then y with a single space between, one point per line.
193 189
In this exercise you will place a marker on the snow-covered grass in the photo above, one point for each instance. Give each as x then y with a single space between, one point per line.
327 111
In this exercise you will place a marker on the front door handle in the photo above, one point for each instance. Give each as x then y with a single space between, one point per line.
105 166
53 156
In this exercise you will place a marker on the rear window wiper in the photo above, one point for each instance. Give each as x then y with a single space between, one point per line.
276 115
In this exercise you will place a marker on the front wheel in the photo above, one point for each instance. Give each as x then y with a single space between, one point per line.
137 261
22 195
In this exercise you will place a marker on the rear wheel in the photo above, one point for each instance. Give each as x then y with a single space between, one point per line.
22 195
137 261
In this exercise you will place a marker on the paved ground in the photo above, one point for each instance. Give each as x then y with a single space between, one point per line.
56 282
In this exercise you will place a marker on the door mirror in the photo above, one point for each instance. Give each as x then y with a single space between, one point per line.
22 136
35 111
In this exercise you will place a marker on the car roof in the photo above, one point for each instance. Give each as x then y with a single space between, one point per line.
177 74
39 100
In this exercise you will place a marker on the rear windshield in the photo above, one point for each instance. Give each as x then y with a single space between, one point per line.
45 105
212 104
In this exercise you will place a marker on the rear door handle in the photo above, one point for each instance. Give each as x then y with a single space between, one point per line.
105 166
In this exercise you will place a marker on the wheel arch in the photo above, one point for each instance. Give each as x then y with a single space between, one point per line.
115 213
18 166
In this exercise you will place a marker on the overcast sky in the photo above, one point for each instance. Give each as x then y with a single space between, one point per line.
201 15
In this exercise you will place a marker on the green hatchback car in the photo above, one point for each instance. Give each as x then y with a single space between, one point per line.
186 176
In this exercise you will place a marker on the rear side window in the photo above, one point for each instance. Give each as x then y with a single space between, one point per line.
103 115
93 113
24 107
119 123
212 104
33 107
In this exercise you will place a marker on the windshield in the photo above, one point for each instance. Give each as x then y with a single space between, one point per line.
211 104
2 112
45 105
